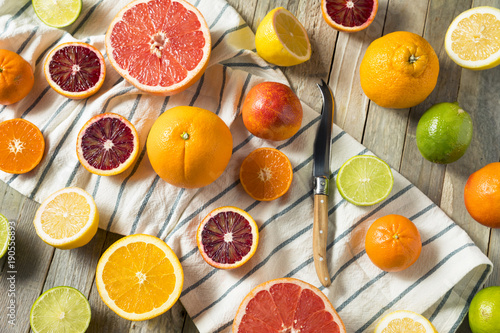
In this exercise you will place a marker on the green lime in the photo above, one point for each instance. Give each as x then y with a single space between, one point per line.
444 133
365 180
484 311
4 235
57 13
60 309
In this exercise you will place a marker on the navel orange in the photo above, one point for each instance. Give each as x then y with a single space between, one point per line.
189 147
16 77
393 243
482 195
399 70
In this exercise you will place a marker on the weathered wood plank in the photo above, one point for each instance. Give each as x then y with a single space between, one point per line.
494 255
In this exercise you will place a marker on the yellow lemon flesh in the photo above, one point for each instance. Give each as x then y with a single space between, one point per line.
404 321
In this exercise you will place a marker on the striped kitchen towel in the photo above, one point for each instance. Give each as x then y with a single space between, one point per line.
440 285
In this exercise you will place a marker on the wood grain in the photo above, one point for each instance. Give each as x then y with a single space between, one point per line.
320 237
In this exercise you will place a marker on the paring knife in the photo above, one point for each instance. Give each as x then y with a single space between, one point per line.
321 175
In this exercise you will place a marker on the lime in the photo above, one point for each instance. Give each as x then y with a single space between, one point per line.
60 309
444 133
4 235
365 180
484 311
57 13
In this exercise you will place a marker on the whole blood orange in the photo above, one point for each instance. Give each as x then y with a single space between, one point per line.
482 195
227 237
272 111
16 77
21 146
160 46
349 15
393 243
189 147
287 305
399 70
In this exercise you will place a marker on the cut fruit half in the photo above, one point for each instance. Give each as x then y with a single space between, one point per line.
281 39
107 144
4 235
365 180
227 237
139 277
349 15
21 146
287 305
57 14
160 46
266 174
60 309
404 321
75 70
473 38
67 219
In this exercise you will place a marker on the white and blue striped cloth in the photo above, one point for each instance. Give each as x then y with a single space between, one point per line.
440 285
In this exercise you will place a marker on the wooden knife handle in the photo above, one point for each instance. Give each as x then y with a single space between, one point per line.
320 234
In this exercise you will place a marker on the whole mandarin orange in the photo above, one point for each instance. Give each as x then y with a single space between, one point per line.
272 111
399 70
189 147
16 77
482 195
393 243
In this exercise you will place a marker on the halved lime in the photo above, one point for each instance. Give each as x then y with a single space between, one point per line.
57 13
365 180
4 235
60 309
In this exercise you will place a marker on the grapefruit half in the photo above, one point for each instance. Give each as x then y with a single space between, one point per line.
160 46
287 305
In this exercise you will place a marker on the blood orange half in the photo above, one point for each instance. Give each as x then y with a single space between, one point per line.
227 237
160 46
75 70
107 144
349 15
287 305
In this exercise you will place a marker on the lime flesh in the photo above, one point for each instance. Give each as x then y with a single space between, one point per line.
57 13
365 180
60 309
4 235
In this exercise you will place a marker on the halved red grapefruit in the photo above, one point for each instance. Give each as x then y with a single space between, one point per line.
287 305
160 46
227 237
107 144
349 15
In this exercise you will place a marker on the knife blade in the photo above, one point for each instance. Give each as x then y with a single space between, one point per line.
321 175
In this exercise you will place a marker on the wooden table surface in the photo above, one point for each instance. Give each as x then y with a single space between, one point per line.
390 134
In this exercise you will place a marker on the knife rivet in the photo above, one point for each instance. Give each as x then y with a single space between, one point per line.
326 279
321 231
322 201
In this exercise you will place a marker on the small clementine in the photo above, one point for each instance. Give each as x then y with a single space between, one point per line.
393 243
399 70
189 147
482 195
16 77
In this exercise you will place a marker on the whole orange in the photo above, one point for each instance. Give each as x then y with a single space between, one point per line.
393 243
16 77
272 111
189 147
482 195
399 70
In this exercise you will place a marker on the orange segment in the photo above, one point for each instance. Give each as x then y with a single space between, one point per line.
139 277
266 174
21 146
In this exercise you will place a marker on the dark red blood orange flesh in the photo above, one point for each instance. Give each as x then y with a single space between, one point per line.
227 237
75 68
350 13
107 143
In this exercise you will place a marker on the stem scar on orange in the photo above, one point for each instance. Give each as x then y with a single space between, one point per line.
266 174
16 77
21 146
393 243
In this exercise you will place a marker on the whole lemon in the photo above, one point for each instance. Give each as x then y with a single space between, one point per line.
444 133
484 311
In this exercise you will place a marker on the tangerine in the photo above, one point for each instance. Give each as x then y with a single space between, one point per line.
482 195
16 77
393 243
